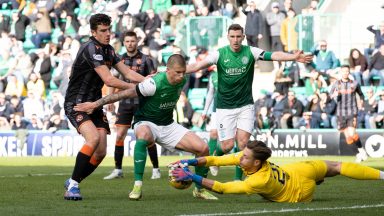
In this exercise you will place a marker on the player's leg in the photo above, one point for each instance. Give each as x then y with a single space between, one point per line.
87 126
212 145
152 152
226 128
144 136
190 142
91 136
362 155
245 125
353 170
121 133
99 153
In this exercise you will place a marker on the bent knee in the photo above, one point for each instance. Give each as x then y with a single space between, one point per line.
333 168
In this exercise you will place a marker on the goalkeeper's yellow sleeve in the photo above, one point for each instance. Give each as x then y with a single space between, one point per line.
225 160
234 187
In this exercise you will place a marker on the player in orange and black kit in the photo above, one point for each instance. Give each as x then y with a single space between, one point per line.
344 92
90 71
143 65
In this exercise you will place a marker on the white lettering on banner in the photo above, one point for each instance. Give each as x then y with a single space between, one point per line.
289 153
9 147
374 146
297 141
61 145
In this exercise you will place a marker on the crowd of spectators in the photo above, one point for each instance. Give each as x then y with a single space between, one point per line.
40 38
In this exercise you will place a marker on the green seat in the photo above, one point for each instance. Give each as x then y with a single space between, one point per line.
196 97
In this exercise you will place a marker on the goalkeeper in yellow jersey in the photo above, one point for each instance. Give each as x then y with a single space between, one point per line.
295 182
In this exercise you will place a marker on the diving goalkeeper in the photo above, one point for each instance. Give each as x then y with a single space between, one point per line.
295 182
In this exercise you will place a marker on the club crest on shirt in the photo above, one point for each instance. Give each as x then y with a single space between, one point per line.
79 118
105 119
138 61
245 60
98 57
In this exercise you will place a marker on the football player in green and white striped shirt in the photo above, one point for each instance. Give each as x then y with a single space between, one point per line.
235 66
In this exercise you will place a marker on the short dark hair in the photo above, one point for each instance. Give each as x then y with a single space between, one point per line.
176 59
129 34
236 27
345 66
99 19
259 150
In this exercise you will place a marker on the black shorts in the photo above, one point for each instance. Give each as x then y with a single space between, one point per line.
346 121
125 114
98 117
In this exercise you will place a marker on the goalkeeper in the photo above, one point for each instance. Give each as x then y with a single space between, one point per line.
294 182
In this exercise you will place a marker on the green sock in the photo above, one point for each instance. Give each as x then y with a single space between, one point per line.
212 146
201 171
238 170
139 158
219 150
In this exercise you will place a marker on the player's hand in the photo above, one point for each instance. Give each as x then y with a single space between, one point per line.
184 163
182 174
87 107
303 58
204 117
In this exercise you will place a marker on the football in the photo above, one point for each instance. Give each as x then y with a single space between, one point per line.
181 185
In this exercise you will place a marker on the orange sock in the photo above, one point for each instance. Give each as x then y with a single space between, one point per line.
119 143
94 161
87 150
350 140
355 137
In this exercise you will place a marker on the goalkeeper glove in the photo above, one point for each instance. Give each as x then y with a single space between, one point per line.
184 163
184 174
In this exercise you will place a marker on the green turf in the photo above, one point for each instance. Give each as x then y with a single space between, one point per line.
34 186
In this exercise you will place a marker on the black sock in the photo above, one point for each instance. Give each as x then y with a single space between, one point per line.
119 154
88 170
82 161
358 143
152 151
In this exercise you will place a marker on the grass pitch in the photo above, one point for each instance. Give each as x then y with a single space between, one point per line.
34 186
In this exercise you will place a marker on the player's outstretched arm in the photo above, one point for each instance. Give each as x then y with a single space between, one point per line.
128 73
298 56
201 161
235 187
194 67
89 107
110 80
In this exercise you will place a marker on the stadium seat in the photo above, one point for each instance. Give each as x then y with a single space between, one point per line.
196 97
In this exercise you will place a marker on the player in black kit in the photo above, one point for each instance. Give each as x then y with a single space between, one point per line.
90 71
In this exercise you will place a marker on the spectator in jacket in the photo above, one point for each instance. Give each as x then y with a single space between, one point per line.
253 24
293 110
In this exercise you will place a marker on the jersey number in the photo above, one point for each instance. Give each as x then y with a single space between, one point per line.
278 173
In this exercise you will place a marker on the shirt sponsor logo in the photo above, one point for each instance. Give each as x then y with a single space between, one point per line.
79 118
167 105
245 60
98 57
235 71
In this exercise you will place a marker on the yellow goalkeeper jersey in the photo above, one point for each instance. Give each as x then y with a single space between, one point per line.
270 181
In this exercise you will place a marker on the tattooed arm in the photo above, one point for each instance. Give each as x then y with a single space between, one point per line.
89 107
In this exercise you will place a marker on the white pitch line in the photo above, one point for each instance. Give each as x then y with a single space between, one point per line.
289 210
35 174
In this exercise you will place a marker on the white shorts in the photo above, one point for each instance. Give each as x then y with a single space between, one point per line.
166 136
228 120
212 122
